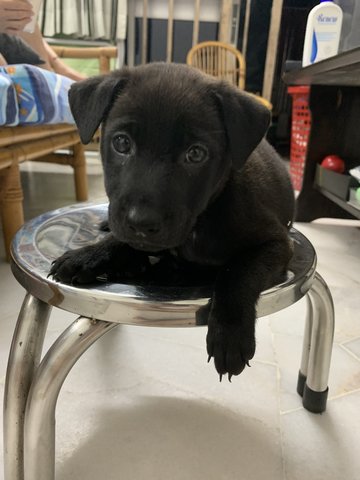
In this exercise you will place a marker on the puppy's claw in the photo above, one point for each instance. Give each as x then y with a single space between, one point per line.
209 358
229 377
247 363
220 377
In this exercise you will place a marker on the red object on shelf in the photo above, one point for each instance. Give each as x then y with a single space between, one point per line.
300 133
334 163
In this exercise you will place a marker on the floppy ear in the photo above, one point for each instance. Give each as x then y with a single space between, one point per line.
91 99
246 121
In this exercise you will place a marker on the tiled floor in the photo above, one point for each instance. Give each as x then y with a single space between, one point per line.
143 402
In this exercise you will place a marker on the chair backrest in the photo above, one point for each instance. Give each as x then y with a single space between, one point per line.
219 60
103 54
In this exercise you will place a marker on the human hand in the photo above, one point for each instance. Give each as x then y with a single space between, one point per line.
14 15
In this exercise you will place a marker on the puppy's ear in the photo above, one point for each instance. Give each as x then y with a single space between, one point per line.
91 99
246 121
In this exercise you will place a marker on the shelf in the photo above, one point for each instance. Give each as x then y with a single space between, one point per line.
342 203
340 70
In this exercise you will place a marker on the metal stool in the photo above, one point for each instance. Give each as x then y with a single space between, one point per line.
32 387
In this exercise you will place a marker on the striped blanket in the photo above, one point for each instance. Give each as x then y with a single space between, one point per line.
30 96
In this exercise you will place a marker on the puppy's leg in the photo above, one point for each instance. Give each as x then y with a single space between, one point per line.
232 313
108 256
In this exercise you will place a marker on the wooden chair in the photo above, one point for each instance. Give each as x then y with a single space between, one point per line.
41 143
103 54
222 61
219 60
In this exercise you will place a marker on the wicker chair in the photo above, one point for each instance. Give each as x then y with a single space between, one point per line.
41 143
219 60
103 54
222 61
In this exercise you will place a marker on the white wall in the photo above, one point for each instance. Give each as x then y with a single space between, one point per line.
183 9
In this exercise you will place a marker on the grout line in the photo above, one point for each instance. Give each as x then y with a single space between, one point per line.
352 354
292 410
282 440
345 394
265 362
278 396
335 397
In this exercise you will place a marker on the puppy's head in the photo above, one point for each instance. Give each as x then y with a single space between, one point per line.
170 136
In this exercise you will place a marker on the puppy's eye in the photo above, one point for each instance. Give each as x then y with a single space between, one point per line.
196 154
122 143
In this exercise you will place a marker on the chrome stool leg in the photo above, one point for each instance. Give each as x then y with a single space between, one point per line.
23 361
320 331
39 436
306 348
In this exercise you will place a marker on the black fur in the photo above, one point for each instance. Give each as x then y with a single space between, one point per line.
229 212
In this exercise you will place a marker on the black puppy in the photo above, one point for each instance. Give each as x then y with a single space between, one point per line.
187 172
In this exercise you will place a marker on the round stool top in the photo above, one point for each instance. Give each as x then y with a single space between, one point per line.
43 239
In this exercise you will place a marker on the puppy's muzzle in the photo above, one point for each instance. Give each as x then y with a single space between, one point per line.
143 224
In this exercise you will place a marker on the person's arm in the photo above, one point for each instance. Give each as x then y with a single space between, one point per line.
36 42
52 61
14 15
2 61
60 67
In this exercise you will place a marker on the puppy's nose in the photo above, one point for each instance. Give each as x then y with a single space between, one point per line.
143 222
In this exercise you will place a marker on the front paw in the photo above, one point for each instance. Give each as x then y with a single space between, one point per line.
231 345
78 266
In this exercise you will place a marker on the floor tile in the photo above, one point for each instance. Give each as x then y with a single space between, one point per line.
353 346
318 447
163 434
344 372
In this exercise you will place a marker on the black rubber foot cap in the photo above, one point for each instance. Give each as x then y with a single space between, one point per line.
301 384
313 401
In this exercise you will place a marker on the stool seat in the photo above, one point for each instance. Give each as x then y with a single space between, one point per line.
48 236
33 382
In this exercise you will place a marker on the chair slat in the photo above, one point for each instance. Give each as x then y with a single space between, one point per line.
220 60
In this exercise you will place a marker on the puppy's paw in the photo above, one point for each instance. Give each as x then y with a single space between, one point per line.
78 266
104 226
232 346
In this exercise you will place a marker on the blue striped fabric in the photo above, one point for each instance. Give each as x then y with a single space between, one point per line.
31 96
